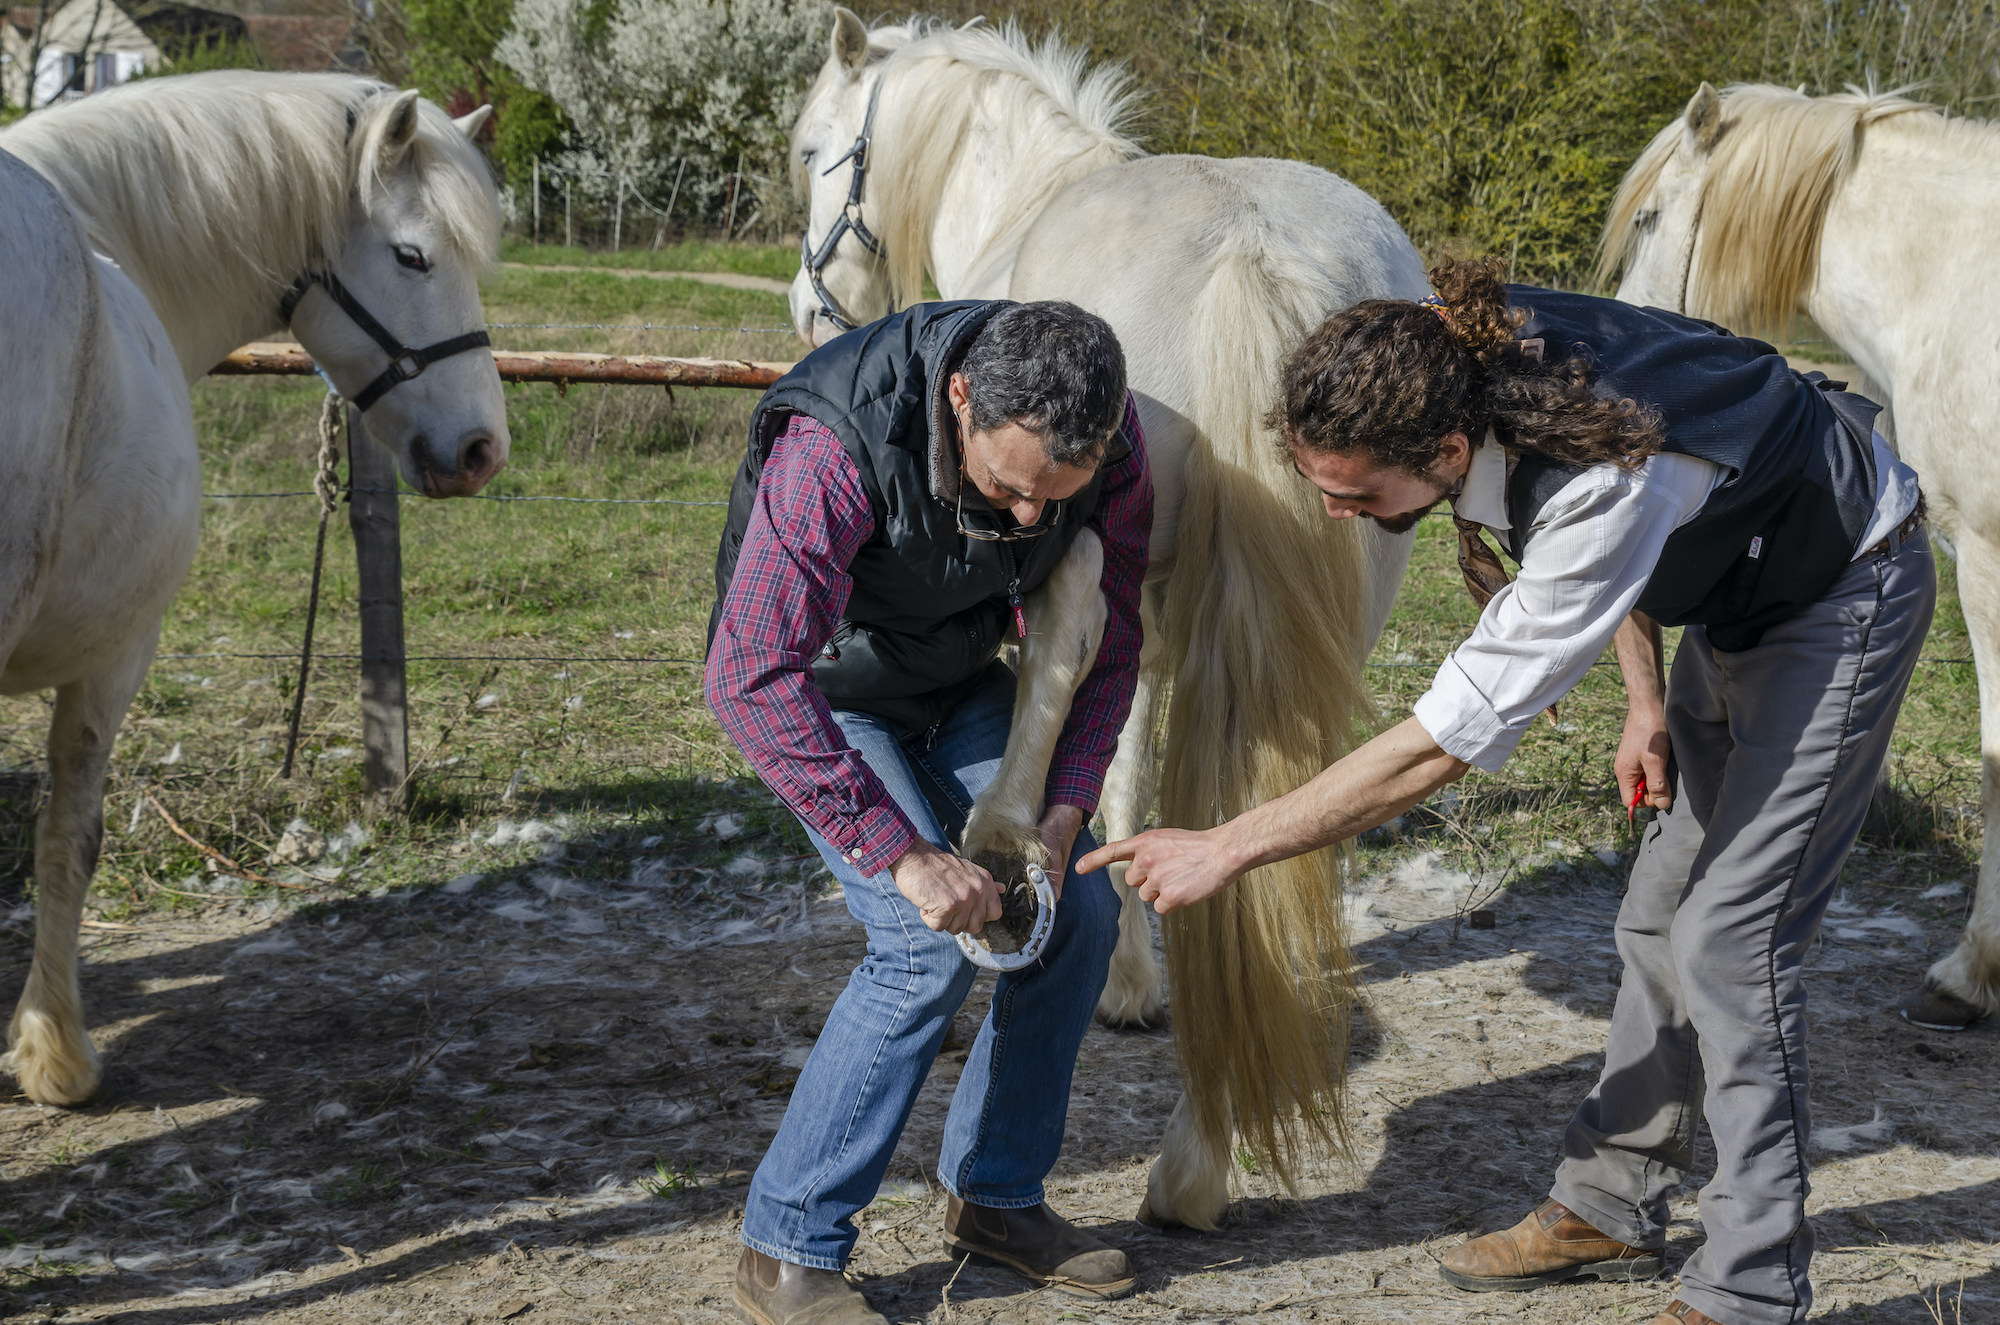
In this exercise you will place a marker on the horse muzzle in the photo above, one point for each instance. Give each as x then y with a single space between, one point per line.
461 471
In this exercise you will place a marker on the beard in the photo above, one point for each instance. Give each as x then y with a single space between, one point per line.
1404 523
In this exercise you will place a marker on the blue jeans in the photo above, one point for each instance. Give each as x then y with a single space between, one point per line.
851 1102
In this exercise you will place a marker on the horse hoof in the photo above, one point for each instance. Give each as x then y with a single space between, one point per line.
1937 1009
1018 909
1153 1221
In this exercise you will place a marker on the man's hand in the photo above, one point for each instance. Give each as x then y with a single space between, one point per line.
1643 752
952 894
1171 867
1059 827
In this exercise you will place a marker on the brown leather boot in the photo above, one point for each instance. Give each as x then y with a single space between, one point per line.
1041 1244
1547 1247
774 1292
1680 1313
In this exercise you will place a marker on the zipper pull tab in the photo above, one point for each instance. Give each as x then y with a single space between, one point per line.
1014 601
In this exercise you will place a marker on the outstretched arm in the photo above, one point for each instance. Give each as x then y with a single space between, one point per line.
1173 867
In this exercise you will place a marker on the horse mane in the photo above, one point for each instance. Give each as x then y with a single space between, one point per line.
1778 159
1064 117
186 182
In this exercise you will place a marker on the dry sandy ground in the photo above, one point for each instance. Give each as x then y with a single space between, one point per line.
448 1106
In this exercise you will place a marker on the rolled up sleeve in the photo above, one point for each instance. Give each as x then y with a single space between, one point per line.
1595 546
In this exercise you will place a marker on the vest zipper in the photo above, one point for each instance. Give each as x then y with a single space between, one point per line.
1014 593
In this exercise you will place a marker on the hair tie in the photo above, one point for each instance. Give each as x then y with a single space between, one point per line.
1436 305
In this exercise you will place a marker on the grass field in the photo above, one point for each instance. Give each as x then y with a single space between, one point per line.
517 1051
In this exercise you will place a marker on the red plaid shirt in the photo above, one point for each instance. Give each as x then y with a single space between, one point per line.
790 588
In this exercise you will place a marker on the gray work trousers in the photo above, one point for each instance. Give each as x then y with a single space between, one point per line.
1778 748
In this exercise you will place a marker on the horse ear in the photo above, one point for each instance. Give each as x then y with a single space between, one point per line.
401 126
471 122
1704 116
849 45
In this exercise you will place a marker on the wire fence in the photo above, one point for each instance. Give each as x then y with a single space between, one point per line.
624 658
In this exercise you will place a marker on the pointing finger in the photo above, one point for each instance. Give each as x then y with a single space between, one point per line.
1107 854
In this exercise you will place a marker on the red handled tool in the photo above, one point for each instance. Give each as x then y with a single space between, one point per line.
1638 795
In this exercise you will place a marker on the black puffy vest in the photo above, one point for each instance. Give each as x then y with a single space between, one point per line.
1782 527
929 607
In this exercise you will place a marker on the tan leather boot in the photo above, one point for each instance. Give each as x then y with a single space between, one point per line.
1041 1244
1547 1247
774 1292
1680 1313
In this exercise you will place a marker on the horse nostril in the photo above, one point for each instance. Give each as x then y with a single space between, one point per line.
476 456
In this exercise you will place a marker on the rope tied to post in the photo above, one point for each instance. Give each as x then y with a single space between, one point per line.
326 486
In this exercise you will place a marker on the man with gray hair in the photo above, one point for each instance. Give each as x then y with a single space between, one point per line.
905 486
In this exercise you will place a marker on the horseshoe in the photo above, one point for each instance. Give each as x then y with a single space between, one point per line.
1045 917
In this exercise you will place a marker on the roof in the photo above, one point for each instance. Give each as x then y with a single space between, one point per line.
97 25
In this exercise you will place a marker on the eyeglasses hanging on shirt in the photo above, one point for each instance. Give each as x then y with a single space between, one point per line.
1050 510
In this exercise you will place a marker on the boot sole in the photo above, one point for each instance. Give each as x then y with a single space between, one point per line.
1636 1269
1110 1292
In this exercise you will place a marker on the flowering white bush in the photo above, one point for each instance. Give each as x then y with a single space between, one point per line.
648 84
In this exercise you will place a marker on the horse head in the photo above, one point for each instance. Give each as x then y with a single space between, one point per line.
843 279
1721 216
1656 217
392 314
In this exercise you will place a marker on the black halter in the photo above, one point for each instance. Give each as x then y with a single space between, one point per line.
814 260
404 362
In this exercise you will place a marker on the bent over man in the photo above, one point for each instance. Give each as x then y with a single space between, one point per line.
1641 468
905 485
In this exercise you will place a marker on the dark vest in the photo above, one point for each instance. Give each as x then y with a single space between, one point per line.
1783 526
929 607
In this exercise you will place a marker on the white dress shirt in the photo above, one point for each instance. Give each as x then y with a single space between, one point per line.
1595 545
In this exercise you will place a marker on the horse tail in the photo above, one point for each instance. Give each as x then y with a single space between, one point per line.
1267 614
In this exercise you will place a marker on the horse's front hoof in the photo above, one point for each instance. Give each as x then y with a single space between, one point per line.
1938 1009
1010 933
1155 1222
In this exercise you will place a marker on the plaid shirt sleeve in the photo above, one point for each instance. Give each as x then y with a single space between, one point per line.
1124 521
790 588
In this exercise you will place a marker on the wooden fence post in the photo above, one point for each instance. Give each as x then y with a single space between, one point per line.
378 559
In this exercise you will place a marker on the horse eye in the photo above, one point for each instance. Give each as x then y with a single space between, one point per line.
1645 220
411 258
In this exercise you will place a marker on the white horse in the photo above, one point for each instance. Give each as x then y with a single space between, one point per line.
1874 215
145 233
1000 170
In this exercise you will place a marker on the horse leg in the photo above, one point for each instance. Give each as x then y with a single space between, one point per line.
1065 620
1133 990
1971 973
1189 1179
49 1053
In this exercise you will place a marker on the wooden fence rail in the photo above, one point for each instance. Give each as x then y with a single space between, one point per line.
283 359
377 538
